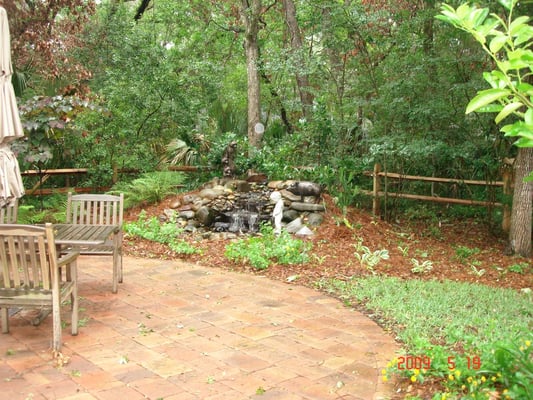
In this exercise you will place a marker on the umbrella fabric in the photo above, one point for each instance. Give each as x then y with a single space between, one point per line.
10 126
11 186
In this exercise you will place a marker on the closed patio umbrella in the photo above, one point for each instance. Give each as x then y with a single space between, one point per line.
11 186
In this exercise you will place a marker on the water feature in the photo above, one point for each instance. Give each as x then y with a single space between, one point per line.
241 221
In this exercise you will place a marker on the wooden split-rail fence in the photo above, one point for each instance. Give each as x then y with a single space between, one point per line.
380 190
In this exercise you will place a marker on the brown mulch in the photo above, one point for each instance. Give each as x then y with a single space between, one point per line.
333 250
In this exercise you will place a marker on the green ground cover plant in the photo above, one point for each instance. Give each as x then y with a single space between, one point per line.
167 233
260 251
476 340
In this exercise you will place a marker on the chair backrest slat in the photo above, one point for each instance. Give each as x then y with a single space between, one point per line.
28 255
95 209
9 214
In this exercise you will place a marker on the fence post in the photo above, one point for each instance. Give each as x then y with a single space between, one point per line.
376 189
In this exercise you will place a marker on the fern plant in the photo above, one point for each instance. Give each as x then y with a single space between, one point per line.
149 188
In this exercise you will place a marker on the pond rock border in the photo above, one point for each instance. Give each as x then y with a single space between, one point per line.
229 207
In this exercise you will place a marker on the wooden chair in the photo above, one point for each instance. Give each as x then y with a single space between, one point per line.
9 214
30 275
100 209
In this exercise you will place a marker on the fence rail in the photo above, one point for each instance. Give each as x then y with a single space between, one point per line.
377 193
45 174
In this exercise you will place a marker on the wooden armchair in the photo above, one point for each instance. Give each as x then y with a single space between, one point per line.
100 209
9 214
30 275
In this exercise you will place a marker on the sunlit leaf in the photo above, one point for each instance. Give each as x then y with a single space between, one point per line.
497 43
486 97
506 3
518 24
507 110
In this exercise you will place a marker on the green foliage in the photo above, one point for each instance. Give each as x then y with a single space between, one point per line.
150 188
48 122
421 267
261 251
463 253
508 44
476 337
38 210
167 233
368 258
520 268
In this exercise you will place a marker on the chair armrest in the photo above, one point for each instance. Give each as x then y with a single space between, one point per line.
67 258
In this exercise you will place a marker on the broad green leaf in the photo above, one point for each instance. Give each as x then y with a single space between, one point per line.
496 79
463 11
525 35
525 88
479 16
506 3
497 43
528 116
507 110
529 178
479 37
490 108
524 142
519 128
518 24
486 97
489 27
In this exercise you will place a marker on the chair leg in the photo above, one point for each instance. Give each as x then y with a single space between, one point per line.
115 270
73 268
120 269
56 325
5 319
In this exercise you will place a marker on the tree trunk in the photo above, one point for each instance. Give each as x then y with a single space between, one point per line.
521 216
302 79
250 13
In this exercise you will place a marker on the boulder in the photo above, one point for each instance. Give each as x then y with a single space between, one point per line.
290 215
205 216
299 206
211 193
289 196
294 226
304 231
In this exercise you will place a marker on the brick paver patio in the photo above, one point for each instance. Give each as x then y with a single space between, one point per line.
177 331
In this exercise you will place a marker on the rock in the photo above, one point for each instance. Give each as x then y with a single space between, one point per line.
299 206
169 214
211 193
175 204
243 187
187 214
189 198
304 231
290 215
289 196
276 185
315 219
294 226
205 216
